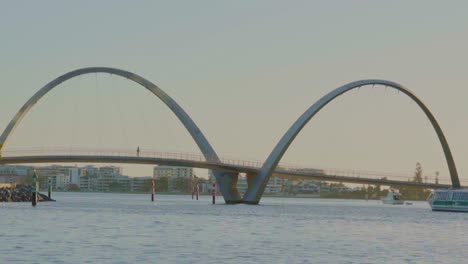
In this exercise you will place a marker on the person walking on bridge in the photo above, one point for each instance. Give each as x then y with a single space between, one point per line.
138 151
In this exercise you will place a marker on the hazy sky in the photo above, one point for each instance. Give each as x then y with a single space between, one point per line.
244 71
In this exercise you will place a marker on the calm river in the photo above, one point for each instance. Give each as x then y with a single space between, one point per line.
128 228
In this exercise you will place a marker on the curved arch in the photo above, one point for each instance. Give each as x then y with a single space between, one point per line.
224 179
255 191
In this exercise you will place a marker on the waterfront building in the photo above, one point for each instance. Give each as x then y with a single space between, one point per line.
287 186
88 178
59 176
307 187
89 171
74 176
274 185
340 189
85 183
106 175
99 178
242 184
121 183
140 184
14 173
179 178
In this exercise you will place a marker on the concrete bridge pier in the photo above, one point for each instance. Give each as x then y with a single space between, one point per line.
227 183
250 178
251 181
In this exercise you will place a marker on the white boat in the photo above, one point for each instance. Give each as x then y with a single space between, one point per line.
393 198
449 200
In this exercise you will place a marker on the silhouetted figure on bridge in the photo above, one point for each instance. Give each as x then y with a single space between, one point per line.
138 151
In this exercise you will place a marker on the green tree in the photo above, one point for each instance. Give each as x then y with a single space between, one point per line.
414 192
146 187
162 184
418 173
183 184
117 187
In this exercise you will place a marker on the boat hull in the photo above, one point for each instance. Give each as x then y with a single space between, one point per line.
449 206
459 210
394 202
392 198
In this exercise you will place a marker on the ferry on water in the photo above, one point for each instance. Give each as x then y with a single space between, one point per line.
393 198
449 200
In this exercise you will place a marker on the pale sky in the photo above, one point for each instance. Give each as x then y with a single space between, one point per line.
244 71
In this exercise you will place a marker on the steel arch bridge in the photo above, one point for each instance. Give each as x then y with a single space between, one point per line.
227 181
258 185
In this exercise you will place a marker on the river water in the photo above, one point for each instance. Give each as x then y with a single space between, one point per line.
128 228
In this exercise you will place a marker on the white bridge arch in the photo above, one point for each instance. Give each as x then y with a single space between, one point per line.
258 183
226 181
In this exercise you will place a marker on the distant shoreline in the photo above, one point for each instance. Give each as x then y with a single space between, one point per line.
308 196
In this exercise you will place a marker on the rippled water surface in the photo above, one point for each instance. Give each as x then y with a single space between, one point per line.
128 228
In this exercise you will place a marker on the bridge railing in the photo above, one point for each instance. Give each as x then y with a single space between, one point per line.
354 173
101 152
41 151
283 167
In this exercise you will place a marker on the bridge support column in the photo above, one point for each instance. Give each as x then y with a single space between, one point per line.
251 181
250 178
227 183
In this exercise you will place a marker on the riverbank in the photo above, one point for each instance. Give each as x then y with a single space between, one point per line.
344 196
20 193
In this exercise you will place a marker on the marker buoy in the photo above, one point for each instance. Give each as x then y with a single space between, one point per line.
153 185
213 193
49 188
35 189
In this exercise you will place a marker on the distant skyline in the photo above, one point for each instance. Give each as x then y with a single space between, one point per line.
244 71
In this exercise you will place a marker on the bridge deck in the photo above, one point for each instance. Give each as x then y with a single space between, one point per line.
240 167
